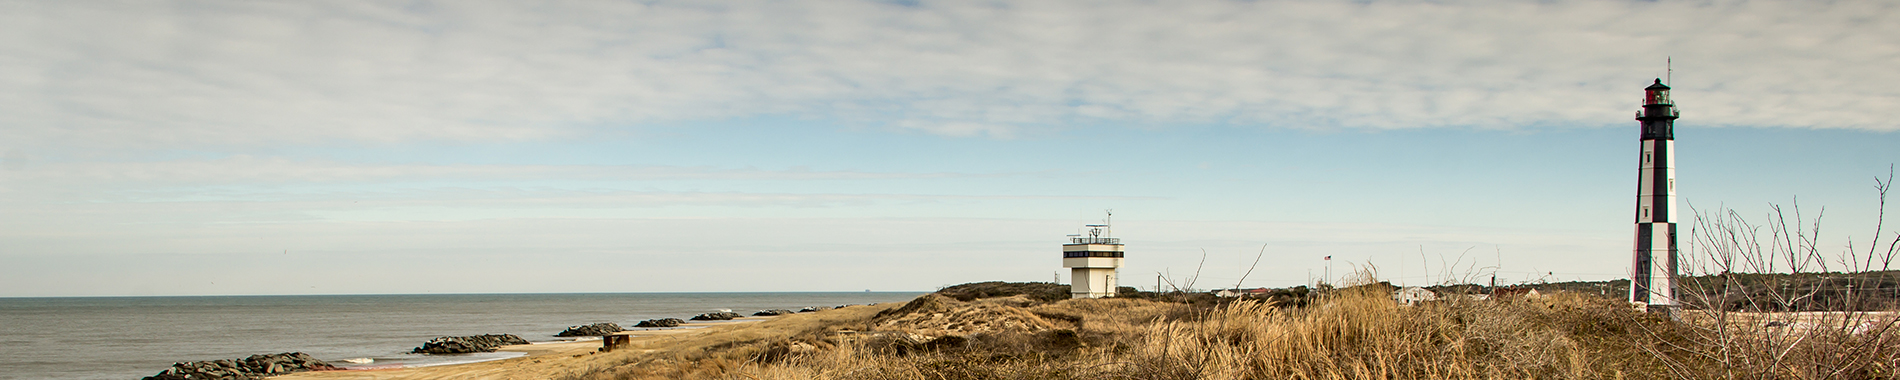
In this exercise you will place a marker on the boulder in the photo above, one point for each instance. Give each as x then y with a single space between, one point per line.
809 309
773 312
250 368
662 322
596 329
467 344
717 316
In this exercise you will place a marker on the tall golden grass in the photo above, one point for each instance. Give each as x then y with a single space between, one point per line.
1355 333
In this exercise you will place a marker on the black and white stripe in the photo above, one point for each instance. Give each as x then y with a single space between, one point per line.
1652 281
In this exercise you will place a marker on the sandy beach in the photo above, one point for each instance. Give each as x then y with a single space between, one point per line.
549 360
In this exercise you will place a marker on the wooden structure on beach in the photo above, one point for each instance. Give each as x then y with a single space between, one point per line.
610 342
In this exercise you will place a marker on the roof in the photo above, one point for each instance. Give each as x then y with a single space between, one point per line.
1657 86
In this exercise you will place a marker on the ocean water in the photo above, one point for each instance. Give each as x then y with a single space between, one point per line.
134 337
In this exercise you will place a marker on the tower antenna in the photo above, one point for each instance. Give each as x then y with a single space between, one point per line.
1669 65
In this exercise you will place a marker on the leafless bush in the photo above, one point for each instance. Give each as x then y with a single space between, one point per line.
1764 300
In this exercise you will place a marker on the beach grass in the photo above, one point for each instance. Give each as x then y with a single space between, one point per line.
1354 333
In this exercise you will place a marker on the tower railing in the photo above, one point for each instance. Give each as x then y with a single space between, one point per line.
1094 240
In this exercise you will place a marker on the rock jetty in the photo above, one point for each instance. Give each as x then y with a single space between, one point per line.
596 329
467 344
717 316
662 322
773 312
251 368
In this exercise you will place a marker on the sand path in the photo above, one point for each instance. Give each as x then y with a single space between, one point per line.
543 361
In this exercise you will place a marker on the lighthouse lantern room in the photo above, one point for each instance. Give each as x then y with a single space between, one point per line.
1093 261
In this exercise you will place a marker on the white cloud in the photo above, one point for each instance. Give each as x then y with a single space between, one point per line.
181 73
246 169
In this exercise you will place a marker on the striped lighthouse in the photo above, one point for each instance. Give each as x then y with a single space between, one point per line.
1653 273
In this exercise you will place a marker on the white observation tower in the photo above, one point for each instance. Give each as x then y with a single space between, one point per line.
1653 277
1092 260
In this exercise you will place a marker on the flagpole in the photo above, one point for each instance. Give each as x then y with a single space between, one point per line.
1329 271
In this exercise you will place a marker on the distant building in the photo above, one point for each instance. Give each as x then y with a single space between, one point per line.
1241 292
1412 295
1515 292
1093 261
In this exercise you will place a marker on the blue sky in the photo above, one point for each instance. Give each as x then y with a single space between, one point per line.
186 148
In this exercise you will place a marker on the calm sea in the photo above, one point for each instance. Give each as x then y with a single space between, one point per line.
133 337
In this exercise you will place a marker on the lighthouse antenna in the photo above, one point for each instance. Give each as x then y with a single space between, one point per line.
1110 222
1669 67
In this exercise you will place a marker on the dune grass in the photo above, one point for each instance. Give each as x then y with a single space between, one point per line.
1354 333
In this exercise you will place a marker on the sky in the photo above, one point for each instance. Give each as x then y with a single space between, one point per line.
152 148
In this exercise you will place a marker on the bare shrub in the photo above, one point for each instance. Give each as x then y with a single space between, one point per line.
1765 301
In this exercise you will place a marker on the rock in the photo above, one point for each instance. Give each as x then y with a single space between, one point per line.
596 329
250 368
809 309
467 344
773 312
717 316
662 322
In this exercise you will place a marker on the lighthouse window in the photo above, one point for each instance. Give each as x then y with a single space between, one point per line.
1646 157
1657 97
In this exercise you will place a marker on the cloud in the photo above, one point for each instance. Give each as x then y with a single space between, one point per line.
56 196
246 169
194 74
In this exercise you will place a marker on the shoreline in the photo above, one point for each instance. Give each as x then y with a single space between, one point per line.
536 355
63 339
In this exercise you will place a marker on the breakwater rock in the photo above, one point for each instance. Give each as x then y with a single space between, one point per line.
662 322
251 368
717 316
773 312
596 329
467 344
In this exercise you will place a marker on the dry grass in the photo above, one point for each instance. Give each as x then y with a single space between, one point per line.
1357 333
1352 334
1792 345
